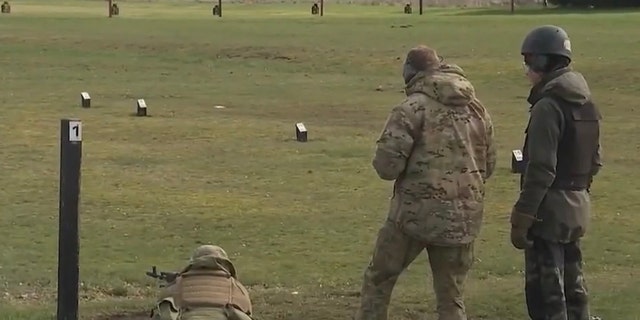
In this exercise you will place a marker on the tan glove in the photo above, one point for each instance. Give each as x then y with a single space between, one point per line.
520 224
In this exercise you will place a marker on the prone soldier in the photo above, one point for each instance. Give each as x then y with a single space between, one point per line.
207 287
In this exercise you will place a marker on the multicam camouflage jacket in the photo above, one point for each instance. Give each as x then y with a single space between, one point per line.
438 147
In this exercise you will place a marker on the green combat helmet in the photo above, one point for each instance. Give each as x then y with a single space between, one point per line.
207 252
547 40
543 42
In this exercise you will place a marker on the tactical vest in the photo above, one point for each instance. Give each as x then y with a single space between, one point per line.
211 288
577 145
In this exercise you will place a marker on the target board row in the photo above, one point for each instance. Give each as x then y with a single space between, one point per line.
141 111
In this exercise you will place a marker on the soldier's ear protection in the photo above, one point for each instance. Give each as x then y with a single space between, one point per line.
536 62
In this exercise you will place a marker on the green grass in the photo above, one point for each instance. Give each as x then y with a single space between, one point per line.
295 217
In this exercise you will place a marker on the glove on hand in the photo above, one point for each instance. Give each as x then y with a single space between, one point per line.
520 224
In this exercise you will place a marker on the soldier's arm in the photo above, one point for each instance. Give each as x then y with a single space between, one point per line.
491 147
543 134
395 143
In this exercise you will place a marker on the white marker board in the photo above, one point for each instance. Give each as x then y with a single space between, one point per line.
75 131
517 154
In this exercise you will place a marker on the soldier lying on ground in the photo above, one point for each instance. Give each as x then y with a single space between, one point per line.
207 288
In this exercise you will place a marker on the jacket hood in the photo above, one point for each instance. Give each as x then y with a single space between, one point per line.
564 83
447 85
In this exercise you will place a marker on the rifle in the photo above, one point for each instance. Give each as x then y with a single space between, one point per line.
167 277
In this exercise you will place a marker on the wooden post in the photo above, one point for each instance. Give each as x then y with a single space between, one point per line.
220 8
517 163
301 132
85 100
68 233
420 7
110 4
513 6
141 108
321 8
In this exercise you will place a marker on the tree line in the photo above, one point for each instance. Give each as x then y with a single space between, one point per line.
596 3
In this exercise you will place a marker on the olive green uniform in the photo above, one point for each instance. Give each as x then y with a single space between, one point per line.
555 287
562 155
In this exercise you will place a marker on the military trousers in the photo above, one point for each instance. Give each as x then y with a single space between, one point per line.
555 288
394 252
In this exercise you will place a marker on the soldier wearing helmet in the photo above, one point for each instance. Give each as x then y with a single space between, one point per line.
207 288
562 155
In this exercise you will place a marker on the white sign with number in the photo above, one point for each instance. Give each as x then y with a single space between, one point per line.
75 131
517 154
301 127
85 95
141 103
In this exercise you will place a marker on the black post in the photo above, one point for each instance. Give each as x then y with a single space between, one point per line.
68 237
220 8
513 6
321 8
420 7
110 8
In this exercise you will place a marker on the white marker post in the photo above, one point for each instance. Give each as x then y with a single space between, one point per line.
85 100
301 132
141 109
517 165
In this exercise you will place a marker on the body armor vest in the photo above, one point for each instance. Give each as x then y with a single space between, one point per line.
211 288
577 145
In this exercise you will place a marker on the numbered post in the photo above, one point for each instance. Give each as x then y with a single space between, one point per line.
141 108
517 162
68 235
85 99
301 132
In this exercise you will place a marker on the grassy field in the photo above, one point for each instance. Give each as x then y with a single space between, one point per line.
298 219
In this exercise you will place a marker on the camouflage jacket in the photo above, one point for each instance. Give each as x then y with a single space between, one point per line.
438 147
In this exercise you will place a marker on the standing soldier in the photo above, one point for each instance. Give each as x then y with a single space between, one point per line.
438 147
562 154
207 288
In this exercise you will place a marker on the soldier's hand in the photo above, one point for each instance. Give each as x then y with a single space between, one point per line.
519 238
520 224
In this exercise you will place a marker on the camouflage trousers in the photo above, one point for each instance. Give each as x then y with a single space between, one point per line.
555 288
394 252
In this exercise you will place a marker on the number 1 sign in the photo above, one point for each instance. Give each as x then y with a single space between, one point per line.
75 131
